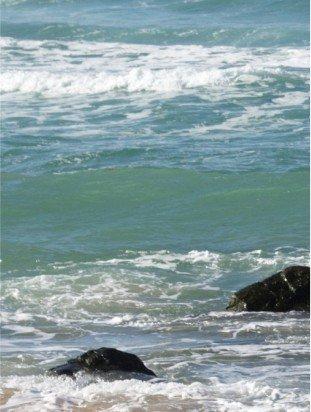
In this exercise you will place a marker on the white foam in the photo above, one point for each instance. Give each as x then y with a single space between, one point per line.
28 330
253 260
253 115
125 292
160 292
17 316
291 99
236 328
164 259
132 80
46 393
51 70
139 115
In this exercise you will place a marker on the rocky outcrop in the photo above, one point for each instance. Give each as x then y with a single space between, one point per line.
286 290
103 360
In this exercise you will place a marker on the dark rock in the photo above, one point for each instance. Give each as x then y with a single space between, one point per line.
286 290
103 360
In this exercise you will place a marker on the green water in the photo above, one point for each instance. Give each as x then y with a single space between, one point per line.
95 214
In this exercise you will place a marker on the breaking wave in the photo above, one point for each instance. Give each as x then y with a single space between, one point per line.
95 68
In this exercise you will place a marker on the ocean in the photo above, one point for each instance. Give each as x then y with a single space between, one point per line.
155 159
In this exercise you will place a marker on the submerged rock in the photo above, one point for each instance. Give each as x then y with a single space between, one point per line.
103 360
286 290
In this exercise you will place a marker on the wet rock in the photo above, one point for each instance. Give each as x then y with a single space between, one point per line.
286 290
103 360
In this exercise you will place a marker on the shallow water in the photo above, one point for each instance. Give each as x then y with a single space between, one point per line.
155 159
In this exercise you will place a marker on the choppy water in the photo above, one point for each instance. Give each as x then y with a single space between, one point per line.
155 159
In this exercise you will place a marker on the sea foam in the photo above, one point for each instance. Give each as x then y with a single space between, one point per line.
45 393
71 68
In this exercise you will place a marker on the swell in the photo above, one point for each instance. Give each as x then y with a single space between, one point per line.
229 10
206 22
97 213
229 36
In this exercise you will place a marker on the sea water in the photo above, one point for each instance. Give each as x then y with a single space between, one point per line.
154 159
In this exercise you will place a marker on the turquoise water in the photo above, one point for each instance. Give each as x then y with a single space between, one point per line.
155 159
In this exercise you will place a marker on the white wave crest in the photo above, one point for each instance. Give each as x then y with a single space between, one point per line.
134 80
56 68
